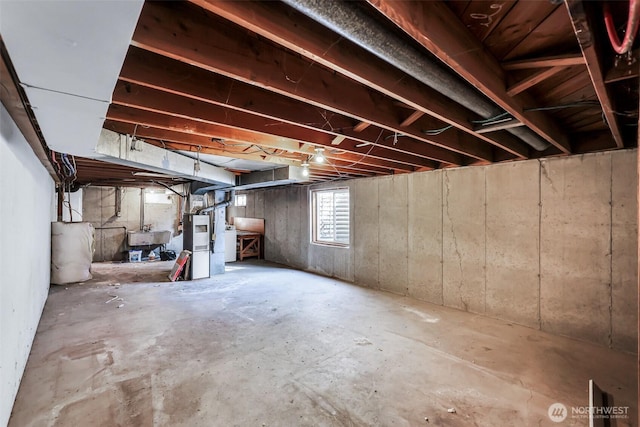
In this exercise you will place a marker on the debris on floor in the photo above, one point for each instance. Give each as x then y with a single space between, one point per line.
87 366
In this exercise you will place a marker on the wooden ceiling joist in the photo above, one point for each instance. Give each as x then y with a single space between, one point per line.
195 143
589 44
179 79
533 80
434 26
304 36
545 62
134 116
242 57
412 118
178 107
361 126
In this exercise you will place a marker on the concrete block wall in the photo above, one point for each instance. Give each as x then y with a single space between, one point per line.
27 200
99 208
549 244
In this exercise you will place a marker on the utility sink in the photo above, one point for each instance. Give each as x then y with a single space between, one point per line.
145 238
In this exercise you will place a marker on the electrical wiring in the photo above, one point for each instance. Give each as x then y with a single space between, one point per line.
71 168
500 117
340 175
67 165
395 137
75 168
433 132
67 204
631 114
367 153
563 106
490 119
68 171
263 150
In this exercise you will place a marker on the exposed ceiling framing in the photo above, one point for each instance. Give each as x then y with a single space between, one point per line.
266 81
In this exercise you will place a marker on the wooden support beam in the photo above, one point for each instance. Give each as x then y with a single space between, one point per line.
172 140
544 62
206 43
435 26
161 121
338 140
177 78
179 107
588 40
361 126
412 118
310 39
533 80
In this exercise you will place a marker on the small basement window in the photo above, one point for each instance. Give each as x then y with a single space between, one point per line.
330 216
240 200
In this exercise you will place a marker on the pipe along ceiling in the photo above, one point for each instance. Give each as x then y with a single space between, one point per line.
354 24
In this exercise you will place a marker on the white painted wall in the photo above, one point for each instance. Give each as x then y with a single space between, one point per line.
26 211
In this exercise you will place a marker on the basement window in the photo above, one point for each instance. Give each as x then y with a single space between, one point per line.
240 200
330 217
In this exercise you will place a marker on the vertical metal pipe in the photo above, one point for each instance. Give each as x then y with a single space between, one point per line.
141 209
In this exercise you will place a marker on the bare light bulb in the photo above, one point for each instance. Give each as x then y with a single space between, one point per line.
319 157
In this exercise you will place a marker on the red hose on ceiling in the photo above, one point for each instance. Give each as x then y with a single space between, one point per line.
632 27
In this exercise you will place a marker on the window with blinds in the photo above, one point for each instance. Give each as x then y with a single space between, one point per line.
240 200
330 216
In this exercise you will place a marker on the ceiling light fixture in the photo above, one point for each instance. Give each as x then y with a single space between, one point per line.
319 157
305 168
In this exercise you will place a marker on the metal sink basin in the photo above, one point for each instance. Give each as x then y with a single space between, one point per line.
145 238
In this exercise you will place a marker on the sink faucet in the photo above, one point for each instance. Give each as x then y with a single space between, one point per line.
146 227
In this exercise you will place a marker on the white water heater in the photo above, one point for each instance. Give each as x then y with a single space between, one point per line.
197 240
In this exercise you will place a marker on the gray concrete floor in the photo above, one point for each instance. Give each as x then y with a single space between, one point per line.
268 346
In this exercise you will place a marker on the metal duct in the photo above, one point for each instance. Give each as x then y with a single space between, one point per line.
351 22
